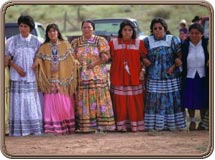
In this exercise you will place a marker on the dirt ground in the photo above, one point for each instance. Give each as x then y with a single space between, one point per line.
112 144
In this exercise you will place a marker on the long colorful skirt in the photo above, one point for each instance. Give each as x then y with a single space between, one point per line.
94 109
163 109
7 100
25 109
59 115
128 107
195 93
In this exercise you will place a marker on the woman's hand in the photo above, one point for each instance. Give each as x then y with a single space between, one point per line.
171 69
104 57
6 60
178 62
91 65
34 66
146 62
20 71
142 74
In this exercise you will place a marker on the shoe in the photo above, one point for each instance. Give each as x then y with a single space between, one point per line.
192 126
200 127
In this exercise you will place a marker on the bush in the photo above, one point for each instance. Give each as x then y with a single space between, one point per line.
162 13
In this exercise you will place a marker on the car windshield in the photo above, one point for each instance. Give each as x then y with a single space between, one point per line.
110 26
106 27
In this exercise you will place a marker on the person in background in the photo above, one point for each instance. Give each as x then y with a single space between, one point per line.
126 86
25 107
183 26
183 31
57 79
94 109
163 109
195 74
196 19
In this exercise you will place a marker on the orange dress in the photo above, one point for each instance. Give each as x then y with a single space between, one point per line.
126 88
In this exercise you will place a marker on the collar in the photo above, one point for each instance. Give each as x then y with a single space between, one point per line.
26 38
198 44
163 38
91 39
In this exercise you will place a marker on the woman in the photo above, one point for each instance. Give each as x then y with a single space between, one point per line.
195 74
183 31
94 107
162 105
25 108
57 80
7 97
126 87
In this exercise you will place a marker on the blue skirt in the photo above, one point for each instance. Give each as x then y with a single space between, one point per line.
163 105
195 93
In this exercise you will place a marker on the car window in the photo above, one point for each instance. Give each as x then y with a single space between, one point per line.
41 31
106 28
10 31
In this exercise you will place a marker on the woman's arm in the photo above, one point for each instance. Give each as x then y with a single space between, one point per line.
146 62
17 68
102 59
6 60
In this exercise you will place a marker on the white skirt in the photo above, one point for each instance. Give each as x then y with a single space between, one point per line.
25 109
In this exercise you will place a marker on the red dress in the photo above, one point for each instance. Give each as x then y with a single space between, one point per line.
126 88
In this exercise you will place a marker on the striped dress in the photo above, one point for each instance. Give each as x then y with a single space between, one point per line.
163 100
93 107
25 116
126 88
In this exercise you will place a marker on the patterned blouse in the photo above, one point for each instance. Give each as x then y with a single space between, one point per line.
88 51
162 54
23 51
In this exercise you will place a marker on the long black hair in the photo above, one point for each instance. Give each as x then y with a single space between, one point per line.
55 27
127 23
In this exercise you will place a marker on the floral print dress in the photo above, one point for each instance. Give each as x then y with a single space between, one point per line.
94 107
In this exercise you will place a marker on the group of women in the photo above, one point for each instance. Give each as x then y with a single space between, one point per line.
61 88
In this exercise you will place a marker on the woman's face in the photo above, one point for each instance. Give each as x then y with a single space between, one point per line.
24 29
158 31
53 35
87 30
127 32
195 36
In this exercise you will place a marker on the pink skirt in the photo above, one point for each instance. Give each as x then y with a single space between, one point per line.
59 114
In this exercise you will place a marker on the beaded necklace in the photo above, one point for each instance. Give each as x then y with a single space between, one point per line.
54 56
